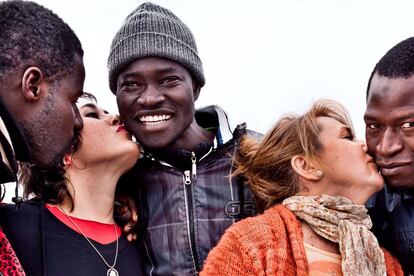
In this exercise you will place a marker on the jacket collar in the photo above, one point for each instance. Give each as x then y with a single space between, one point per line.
214 113
8 164
392 198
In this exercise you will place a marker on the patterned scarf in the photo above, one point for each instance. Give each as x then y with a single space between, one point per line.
341 221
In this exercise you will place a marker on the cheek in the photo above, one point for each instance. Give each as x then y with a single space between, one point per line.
187 105
371 145
68 114
120 100
409 143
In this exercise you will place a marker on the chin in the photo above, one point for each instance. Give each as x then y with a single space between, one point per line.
129 160
377 183
157 143
379 186
395 184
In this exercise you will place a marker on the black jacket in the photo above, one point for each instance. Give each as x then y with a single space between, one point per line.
392 214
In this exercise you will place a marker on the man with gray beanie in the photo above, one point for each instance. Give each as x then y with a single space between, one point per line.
182 184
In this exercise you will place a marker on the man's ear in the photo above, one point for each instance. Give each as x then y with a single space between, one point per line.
305 168
31 83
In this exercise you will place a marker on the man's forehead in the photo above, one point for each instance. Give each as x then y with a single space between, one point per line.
390 89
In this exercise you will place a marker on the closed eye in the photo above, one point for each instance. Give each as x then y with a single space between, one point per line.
349 136
92 115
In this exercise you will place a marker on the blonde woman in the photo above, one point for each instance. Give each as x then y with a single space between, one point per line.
312 179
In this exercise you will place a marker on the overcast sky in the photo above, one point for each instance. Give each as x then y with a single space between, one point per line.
261 58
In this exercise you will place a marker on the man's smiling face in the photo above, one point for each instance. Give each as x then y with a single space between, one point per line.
156 101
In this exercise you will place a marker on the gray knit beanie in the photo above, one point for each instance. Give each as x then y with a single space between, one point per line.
153 31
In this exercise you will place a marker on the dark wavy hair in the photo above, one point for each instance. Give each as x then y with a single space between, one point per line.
49 184
32 35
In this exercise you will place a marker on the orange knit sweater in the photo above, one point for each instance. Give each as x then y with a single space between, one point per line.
268 244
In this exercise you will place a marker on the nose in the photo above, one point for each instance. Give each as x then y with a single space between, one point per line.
113 119
363 145
151 97
390 143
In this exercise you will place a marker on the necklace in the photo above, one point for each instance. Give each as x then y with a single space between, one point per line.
111 268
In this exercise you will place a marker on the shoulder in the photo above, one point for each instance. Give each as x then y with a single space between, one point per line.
11 213
273 224
394 206
255 244
392 265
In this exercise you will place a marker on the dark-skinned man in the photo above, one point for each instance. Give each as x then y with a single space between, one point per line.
41 78
182 184
389 120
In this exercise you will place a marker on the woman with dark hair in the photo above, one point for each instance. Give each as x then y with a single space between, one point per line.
312 179
68 227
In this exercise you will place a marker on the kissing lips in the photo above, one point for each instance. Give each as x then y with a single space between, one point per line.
120 128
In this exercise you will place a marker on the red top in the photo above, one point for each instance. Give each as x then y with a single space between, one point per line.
103 233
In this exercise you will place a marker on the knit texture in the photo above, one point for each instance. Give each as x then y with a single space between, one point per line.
339 220
268 244
153 31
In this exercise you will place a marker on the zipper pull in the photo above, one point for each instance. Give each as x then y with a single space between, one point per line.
187 179
193 165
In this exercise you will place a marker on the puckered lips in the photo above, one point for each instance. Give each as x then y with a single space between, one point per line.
121 128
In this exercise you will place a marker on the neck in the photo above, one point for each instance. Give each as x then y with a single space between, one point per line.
358 196
93 192
191 137
312 238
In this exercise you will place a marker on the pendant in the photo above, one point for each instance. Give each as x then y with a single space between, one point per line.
112 272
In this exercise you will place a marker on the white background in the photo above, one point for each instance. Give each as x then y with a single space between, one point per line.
261 58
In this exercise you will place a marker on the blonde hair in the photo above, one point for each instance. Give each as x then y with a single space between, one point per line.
266 165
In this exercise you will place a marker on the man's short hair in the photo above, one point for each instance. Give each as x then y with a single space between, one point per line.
32 35
398 62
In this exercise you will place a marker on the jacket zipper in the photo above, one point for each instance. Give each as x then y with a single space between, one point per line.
190 212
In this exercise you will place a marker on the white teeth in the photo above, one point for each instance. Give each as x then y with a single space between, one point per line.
155 119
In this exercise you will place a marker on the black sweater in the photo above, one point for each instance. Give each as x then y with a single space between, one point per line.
46 246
